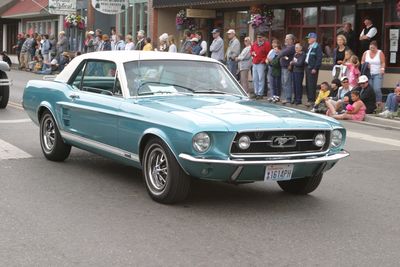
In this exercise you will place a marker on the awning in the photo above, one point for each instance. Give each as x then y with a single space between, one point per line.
25 9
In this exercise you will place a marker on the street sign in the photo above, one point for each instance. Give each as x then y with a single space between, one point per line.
62 7
110 7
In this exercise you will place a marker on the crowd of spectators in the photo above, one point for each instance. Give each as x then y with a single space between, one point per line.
276 67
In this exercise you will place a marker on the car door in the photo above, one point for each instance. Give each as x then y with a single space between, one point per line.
94 103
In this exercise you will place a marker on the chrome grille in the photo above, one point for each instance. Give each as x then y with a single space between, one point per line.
281 142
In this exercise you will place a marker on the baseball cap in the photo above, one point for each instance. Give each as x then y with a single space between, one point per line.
344 78
194 39
363 79
312 35
215 30
231 31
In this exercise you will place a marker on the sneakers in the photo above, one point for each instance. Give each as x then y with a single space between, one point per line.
386 114
275 99
312 110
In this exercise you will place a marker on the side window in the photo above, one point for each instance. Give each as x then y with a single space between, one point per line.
99 77
77 80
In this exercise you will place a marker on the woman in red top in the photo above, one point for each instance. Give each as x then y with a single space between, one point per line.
259 51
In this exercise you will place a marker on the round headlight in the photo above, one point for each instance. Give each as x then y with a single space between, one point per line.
244 142
337 138
319 140
201 142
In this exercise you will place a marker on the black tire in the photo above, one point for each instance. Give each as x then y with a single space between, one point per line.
52 144
301 186
169 184
4 91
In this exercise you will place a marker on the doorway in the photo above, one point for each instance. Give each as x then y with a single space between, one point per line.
375 13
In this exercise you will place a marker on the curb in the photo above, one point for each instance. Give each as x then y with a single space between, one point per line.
370 119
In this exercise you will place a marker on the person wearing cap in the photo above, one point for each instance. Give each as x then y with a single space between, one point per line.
196 47
367 94
367 35
217 46
232 52
337 103
259 51
285 57
186 46
89 42
313 63
140 40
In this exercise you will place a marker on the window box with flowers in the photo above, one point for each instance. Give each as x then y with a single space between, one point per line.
74 27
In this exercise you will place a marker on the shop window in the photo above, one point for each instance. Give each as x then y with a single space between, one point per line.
392 35
236 20
295 16
327 41
310 16
346 14
328 15
278 24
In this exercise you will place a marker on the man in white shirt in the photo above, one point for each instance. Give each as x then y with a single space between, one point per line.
367 35
217 46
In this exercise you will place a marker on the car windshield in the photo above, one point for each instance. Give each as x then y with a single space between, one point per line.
150 77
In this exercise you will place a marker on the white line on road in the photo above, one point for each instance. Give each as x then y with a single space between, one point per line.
15 105
15 121
8 151
371 138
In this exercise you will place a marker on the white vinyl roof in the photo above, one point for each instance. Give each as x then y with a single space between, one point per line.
120 57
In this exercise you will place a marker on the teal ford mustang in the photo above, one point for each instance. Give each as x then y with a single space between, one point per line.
179 117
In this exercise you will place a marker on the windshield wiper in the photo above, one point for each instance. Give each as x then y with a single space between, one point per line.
161 83
209 91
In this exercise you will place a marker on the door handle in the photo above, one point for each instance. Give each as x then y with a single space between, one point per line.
74 96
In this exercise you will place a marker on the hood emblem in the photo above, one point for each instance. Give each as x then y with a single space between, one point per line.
283 141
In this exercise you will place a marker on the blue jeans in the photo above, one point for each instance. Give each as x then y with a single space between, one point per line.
287 84
376 82
391 102
259 79
298 86
232 67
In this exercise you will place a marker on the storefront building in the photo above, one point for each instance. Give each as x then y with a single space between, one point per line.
8 28
298 17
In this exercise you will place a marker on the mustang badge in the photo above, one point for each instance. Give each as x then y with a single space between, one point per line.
283 141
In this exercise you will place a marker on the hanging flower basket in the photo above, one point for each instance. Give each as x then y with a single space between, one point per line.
261 17
74 21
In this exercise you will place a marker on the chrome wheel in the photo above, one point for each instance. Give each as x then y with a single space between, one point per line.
48 134
157 169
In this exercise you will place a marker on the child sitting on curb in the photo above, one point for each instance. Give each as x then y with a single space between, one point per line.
323 95
355 112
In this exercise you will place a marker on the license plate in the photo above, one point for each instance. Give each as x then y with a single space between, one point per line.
278 172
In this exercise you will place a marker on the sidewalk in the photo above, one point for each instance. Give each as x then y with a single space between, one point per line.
370 119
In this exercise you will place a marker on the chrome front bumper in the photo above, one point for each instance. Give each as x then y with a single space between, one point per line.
328 158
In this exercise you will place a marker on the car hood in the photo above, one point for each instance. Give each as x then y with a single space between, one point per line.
232 113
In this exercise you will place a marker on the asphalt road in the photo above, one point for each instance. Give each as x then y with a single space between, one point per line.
90 211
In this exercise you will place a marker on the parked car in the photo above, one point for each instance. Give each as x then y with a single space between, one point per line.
179 117
4 84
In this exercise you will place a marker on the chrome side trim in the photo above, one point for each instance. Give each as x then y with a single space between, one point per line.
335 157
110 149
